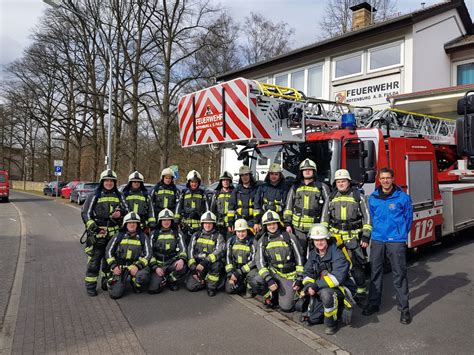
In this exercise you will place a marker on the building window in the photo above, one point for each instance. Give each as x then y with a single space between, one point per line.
387 56
297 80
315 81
348 66
465 74
281 80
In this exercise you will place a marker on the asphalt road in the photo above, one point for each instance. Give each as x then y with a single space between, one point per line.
56 314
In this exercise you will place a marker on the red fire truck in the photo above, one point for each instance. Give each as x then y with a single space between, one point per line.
432 156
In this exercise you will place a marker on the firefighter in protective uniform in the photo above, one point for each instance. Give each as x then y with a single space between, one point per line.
240 260
168 263
327 282
347 216
280 264
102 214
138 200
241 203
191 205
220 202
305 203
128 254
205 253
271 196
165 194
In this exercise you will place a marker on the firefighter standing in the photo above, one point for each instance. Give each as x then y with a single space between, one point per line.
280 264
240 260
165 194
220 202
241 204
191 205
347 216
205 252
102 214
326 281
139 201
128 254
305 203
271 196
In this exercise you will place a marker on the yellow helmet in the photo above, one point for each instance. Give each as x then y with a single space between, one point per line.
275 168
270 217
244 169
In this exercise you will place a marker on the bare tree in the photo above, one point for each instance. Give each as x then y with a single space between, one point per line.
264 39
337 17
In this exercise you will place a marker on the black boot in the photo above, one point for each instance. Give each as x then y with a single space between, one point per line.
405 317
103 283
91 292
211 292
173 286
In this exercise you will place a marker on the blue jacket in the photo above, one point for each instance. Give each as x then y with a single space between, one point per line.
392 216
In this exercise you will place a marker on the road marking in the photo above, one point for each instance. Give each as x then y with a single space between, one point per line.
13 219
8 330
49 214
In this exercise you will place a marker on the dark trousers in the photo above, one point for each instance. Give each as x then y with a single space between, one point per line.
396 253
325 307
212 279
171 275
306 247
118 284
286 294
95 257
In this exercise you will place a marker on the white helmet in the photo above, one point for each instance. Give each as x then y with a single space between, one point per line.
165 214
270 217
318 232
131 217
193 174
241 225
244 169
135 176
108 175
308 164
275 168
342 174
208 217
225 176
167 172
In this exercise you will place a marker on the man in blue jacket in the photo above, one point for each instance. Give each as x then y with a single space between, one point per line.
392 216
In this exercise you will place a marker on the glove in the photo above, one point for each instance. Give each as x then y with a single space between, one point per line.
237 274
205 264
298 283
315 287
346 315
271 282
365 236
93 227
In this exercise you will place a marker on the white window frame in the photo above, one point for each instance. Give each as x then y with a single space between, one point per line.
387 45
288 78
306 79
263 80
342 57
455 69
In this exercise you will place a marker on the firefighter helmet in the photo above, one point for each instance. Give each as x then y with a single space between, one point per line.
108 175
342 174
167 172
270 217
308 164
225 176
318 232
165 214
193 174
131 217
135 176
244 169
241 225
275 168
208 217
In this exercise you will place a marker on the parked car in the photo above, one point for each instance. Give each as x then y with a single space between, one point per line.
81 191
66 190
51 188
4 186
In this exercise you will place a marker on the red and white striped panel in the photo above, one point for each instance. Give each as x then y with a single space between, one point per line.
208 115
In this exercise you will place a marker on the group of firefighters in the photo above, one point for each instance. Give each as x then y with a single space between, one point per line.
300 246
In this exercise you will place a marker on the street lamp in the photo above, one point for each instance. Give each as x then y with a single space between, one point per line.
59 4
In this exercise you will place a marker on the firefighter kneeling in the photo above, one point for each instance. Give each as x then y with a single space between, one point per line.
205 253
327 282
128 253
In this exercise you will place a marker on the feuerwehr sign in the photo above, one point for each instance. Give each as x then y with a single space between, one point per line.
368 92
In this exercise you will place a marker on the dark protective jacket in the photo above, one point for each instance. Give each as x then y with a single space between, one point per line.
164 196
220 206
241 204
304 204
208 246
330 270
125 249
270 198
167 246
240 255
279 253
191 205
139 202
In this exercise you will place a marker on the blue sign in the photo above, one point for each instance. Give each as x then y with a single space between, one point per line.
58 169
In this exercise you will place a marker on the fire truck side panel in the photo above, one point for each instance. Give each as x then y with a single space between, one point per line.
458 208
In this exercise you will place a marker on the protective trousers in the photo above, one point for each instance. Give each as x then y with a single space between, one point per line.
325 307
118 284
396 253
357 270
171 275
303 239
242 284
96 256
210 280
285 292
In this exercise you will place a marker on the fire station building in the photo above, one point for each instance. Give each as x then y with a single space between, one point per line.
429 52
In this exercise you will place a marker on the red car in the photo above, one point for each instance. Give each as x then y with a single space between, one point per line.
66 190
4 186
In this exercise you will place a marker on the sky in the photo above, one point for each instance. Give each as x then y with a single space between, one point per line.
18 18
